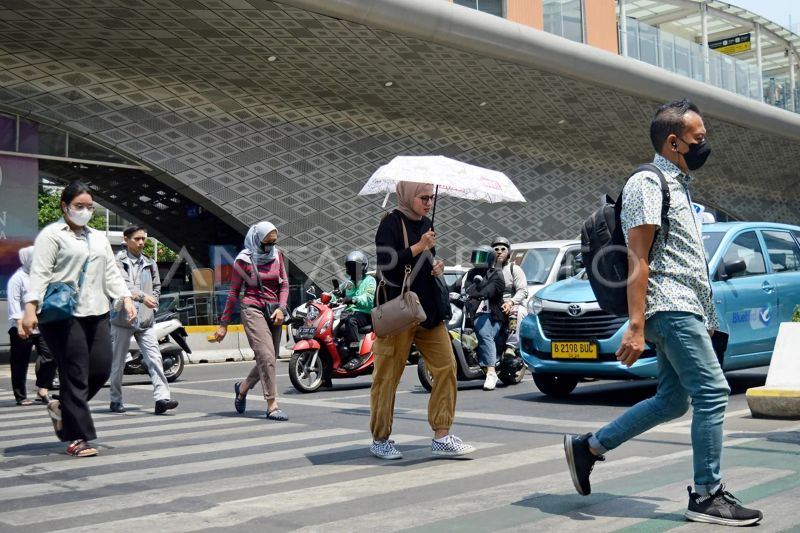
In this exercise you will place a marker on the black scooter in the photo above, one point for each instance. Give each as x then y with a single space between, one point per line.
510 367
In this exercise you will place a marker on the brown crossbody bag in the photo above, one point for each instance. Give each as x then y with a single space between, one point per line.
398 314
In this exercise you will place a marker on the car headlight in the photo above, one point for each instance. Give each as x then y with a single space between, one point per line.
535 305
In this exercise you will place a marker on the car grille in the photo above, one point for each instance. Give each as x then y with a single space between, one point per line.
592 325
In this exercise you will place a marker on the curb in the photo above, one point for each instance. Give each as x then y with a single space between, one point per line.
765 402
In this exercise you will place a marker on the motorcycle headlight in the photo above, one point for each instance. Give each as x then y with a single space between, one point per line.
535 305
312 313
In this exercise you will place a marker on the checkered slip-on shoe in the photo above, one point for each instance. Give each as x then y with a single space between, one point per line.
450 446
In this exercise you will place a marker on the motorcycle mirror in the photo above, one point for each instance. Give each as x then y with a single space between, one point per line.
311 292
325 298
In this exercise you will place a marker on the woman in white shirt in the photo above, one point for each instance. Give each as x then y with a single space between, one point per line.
22 345
81 344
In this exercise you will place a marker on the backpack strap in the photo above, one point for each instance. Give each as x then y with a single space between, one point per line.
665 197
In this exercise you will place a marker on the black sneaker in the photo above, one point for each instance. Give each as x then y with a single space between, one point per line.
722 508
580 461
117 407
162 406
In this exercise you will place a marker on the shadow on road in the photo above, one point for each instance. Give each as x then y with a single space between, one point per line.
589 508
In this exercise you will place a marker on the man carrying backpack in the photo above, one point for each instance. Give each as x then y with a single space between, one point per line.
669 303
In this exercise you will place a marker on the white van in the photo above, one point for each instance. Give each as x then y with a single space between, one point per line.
545 262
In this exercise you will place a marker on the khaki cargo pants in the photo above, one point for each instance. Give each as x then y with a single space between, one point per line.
391 354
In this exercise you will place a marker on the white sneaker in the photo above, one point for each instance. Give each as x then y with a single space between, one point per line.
490 381
450 446
384 449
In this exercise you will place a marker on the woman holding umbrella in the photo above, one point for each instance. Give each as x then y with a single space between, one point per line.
415 201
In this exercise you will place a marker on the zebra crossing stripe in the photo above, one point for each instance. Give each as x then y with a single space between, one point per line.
259 462
115 458
42 426
237 512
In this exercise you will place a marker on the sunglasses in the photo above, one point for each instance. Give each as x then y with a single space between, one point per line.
426 199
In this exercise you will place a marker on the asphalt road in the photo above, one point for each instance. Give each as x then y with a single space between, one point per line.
203 467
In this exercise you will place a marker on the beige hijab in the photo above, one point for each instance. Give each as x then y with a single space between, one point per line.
406 192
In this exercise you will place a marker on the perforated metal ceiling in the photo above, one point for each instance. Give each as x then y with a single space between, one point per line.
259 111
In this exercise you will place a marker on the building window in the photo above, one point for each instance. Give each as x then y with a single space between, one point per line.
493 7
564 18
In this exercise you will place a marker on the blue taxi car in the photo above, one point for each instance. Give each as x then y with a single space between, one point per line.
755 273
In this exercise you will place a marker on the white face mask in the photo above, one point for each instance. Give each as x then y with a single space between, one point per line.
79 217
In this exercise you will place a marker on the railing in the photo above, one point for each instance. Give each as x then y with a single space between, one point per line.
682 56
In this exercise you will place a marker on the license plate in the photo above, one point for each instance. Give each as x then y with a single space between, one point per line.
574 350
306 331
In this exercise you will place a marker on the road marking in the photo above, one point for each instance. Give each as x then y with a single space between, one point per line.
170 492
112 458
106 437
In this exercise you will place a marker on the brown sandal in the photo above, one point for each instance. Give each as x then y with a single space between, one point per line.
81 448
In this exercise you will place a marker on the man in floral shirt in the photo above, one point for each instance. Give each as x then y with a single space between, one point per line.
669 303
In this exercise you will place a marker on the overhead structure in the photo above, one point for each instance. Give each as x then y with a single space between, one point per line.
281 111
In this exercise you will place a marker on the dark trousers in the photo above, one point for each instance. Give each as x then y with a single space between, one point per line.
349 324
82 348
20 357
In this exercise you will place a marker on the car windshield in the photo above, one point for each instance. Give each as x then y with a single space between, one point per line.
535 262
711 240
451 277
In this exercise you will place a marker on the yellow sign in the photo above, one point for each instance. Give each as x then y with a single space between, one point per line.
732 45
735 48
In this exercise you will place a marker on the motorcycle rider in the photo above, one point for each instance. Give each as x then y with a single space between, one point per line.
359 296
141 275
515 293
484 285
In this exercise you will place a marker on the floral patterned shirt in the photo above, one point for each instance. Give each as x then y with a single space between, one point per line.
678 269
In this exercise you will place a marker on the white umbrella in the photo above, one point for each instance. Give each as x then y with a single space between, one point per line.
450 177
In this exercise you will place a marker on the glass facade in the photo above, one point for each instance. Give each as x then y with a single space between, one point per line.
676 54
564 18
493 7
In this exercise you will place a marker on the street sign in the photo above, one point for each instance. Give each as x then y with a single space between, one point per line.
732 45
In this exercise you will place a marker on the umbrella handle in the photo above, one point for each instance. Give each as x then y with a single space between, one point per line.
435 197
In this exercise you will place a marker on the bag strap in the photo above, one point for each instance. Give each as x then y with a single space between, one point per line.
406 283
257 274
85 263
665 200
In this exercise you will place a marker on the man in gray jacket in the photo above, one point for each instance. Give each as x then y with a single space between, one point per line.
141 275
515 293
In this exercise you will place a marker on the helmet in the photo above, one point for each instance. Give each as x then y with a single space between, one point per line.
356 264
502 241
482 257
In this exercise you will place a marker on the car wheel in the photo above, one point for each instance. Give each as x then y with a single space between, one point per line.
556 385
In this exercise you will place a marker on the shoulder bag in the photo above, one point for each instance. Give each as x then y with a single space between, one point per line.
401 313
60 296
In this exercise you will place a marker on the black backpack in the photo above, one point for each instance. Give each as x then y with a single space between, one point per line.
605 254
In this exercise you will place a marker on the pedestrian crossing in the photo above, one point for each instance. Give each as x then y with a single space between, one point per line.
196 471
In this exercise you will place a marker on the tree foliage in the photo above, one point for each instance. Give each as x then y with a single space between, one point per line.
49 203
796 314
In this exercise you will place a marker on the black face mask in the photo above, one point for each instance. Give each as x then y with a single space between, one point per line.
697 154
266 247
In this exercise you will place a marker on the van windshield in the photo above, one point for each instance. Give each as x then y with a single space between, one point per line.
536 263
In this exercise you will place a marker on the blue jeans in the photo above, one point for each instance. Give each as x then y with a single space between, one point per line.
486 330
687 369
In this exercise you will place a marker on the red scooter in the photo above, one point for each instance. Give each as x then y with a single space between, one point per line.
316 355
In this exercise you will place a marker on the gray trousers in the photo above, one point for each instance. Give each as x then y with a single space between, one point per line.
151 357
265 340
